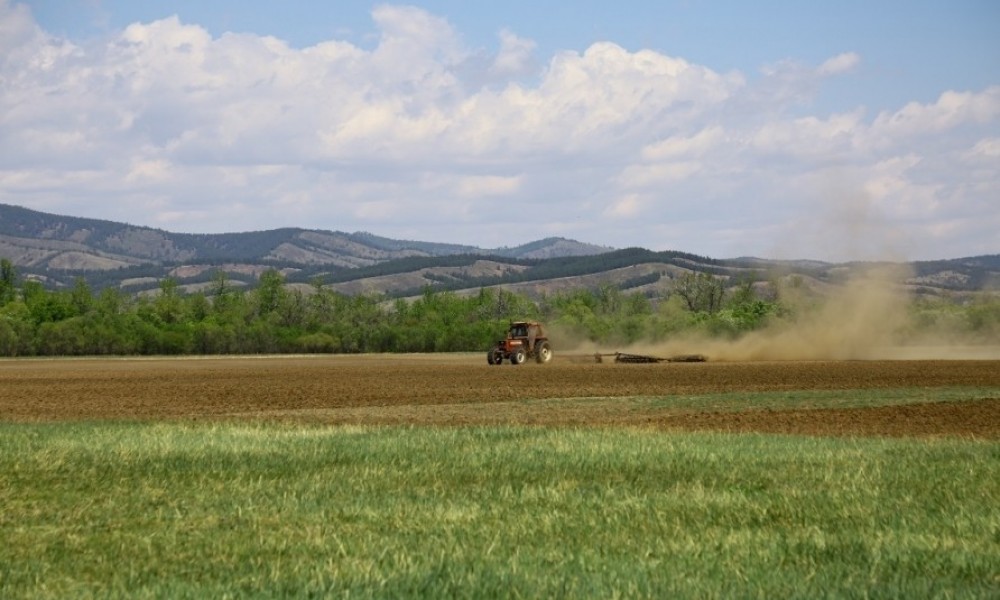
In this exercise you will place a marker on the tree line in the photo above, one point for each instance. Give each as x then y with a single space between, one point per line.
273 317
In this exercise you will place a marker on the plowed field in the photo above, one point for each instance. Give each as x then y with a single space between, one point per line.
464 390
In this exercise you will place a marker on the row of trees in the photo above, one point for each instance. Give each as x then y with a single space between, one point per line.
277 318
274 317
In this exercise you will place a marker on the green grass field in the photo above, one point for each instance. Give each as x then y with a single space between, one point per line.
269 510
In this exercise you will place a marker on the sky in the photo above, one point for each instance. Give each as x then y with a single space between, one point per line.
851 130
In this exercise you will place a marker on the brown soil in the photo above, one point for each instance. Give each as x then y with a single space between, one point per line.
463 390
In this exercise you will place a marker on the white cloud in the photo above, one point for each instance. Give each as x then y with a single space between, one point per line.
891 185
646 176
952 110
811 137
985 150
17 30
484 186
842 63
142 171
516 54
680 146
421 136
625 207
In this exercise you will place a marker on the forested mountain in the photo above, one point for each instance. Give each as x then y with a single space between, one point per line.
59 250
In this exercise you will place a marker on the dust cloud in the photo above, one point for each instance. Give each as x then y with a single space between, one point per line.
866 316
863 312
859 320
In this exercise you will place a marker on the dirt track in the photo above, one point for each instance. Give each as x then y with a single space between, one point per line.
453 390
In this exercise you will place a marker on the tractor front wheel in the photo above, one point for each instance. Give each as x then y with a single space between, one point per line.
517 356
494 356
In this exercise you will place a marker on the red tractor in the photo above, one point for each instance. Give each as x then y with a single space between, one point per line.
525 339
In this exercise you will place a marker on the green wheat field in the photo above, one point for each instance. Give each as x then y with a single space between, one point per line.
173 510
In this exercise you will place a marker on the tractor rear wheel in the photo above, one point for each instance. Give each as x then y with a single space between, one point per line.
543 353
517 356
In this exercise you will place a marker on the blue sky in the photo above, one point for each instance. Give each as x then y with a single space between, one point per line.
848 130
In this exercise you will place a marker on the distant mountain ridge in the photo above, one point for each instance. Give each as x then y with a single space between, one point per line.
40 240
58 249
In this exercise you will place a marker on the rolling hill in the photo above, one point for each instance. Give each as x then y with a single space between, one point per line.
59 249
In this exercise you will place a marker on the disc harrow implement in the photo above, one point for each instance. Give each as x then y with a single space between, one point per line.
628 358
